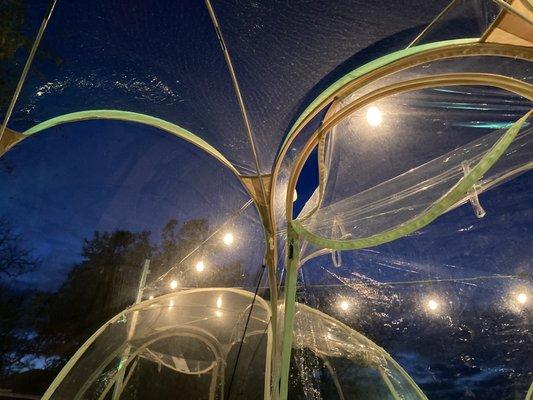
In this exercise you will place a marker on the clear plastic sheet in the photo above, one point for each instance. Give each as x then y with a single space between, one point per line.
409 194
200 330
405 170
149 196
450 303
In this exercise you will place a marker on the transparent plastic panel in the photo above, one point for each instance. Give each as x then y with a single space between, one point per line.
451 303
286 53
465 19
199 343
156 58
332 361
20 24
410 150
85 208
507 66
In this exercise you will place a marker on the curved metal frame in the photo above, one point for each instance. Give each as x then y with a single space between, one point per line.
343 87
348 84
470 79
385 66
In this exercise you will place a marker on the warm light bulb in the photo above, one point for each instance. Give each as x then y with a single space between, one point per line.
173 284
344 305
521 298
374 116
219 302
200 266
228 239
433 305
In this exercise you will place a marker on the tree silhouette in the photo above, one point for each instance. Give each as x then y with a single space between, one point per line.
55 324
15 259
96 289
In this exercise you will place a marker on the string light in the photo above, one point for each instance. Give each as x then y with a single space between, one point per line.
174 284
374 116
433 305
200 266
228 239
344 305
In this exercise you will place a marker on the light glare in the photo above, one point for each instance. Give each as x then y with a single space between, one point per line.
521 298
219 302
374 116
344 305
228 239
200 266
295 196
174 284
433 305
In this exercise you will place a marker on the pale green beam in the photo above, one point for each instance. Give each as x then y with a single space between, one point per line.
369 67
133 117
293 246
429 215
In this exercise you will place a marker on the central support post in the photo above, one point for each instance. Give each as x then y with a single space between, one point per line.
291 265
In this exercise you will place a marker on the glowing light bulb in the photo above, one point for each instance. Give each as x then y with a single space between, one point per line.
433 305
174 284
219 302
200 266
228 239
374 116
295 196
521 298
344 305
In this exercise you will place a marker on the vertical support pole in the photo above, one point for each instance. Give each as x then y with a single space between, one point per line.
293 253
271 263
117 390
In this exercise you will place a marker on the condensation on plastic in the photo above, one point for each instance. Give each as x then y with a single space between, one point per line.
148 57
334 361
192 336
167 62
476 341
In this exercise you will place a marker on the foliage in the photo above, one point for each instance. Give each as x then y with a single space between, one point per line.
15 259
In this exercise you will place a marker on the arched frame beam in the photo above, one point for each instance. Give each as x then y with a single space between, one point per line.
127 116
176 130
467 79
385 66
146 305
